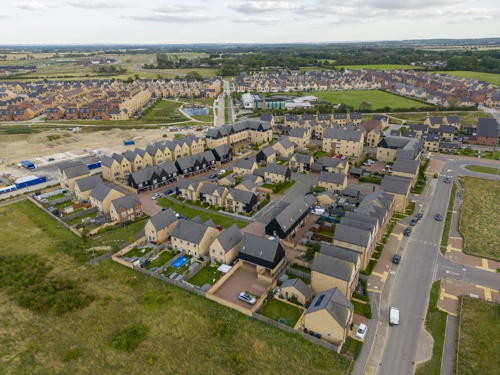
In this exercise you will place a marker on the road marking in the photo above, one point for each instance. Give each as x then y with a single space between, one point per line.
487 292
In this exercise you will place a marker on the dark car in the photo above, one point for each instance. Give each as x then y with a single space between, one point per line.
413 222
212 176
419 216
438 217
396 259
407 232
169 191
447 180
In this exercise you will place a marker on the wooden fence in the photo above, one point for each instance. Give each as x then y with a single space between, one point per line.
298 273
179 284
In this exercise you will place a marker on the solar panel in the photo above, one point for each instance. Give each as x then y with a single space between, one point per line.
318 302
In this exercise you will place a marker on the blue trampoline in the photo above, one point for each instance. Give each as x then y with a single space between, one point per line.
180 262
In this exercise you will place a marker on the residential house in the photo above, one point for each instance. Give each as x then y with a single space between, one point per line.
406 168
449 147
227 181
240 201
115 167
135 160
333 182
431 142
300 137
212 194
330 315
242 167
373 137
102 195
453 121
284 223
266 155
267 255
433 121
355 117
332 165
68 173
301 163
487 132
296 289
223 154
159 227
402 147
345 142
188 189
226 246
399 187
276 173
126 208
284 147
83 186
193 238
358 236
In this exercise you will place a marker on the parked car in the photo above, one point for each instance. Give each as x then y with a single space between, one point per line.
361 332
212 176
222 171
420 215
447 180
413 222
396 259
438 217
245 297
169 191
219 228
339 156
156 196
407 232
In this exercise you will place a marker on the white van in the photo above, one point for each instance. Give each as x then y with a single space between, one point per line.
393 316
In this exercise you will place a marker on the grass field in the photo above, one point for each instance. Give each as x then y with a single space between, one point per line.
435 324
479 217
179 331
380 67
466 118
378 99
118 236
477 337
205 214
487 77
481 169
276 309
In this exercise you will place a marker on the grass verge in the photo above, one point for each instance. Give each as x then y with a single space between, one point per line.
477 337
481 169
479 217
435 323
447 222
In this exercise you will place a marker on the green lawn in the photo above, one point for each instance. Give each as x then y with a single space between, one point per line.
120 235
477 337
487 77
481 169
300 268
206 276
181 325
306 281
163 258
479 217
78 220
363 309
138 252
182 209
276 309
180 270
435 323
379 99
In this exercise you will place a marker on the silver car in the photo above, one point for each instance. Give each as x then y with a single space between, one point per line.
245 297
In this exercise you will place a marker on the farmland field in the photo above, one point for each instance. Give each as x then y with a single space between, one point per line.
479 217
378 99
132 323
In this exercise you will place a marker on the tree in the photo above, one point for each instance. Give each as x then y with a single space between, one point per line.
365 106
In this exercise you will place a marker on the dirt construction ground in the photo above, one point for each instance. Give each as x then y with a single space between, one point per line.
62 144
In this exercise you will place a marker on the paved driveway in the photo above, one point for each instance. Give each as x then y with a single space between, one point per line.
243 279
149 205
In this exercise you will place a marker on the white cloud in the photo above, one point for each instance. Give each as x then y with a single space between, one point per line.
4 15
178 8
174 17
96 4
32 5
266 6
259 21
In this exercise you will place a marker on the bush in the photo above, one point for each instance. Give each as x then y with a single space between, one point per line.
71 355
369 269
436 175
129 337
372 180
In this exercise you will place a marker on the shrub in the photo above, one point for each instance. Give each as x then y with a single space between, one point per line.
71 355
436 175
129 337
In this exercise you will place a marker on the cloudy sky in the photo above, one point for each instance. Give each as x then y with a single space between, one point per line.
243 21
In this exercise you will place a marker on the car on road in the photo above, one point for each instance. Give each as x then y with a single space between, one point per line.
222 171
438 217
396 259
361 332
245 297
420 215
156 196
168 192
447 180
407 232
212 176
413 222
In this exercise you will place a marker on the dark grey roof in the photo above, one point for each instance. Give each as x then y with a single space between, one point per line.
101 190
335 178
302 158
297 132
346 135
189 231
268 151
266 117
278 169
184 183
127 201
260 247
285 143
168 167
230 237
450 145
107 161
359 224
406 166
294 211
487 127
250 177
74 169
355 236
334 267
396 185
346 255
298 284
163 219
242 196
210 189
88 183
331 162
335 303
244 164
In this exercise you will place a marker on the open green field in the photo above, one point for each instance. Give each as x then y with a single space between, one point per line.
481 169
487 77
381 67
379 99
479 217
134 323
466 118
277 309
203 213
478 341
435 324
118 236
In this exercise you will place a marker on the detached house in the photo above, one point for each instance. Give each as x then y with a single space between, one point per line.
267 255
159 227
226 246
275 173
242 167
70 172
333 182
240 201
296 289
399 187
284 147
285 223
301 163
300 137
266 155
